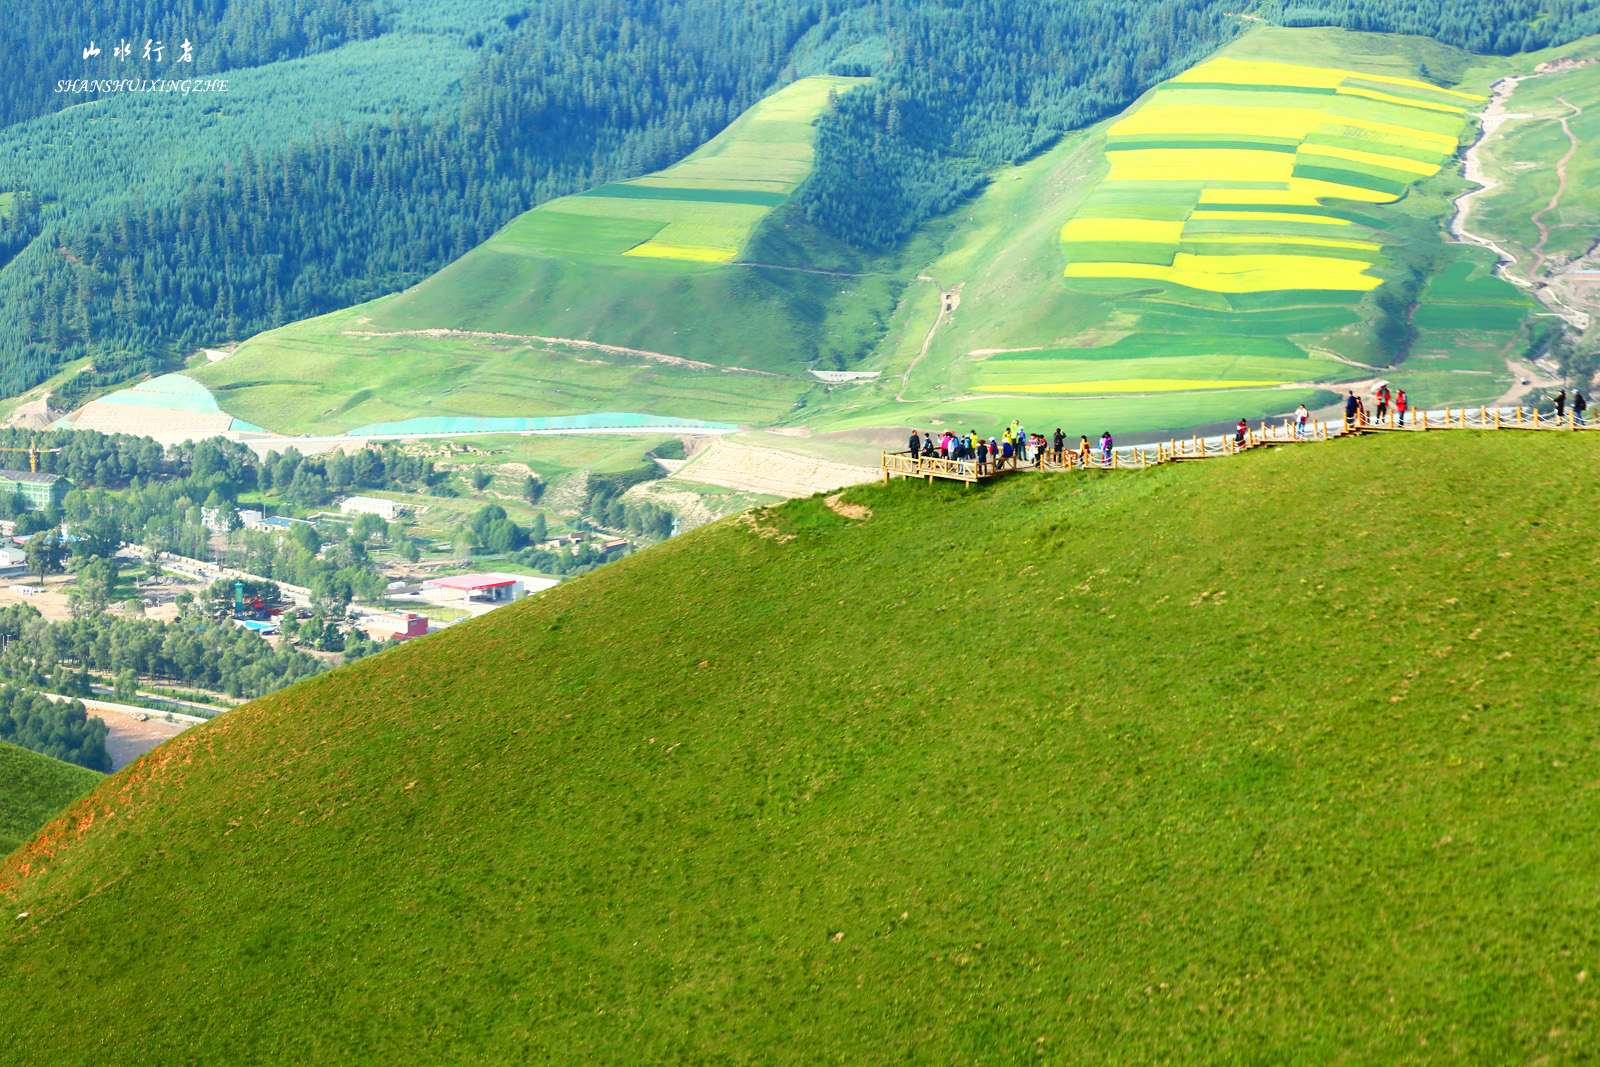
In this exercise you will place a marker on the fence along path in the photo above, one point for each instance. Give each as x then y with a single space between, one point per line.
1177 450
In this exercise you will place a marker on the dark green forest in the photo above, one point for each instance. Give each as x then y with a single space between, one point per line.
60 730
362 147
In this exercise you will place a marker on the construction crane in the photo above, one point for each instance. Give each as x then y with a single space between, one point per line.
34 451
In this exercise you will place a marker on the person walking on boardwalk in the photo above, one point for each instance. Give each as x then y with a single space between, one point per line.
1301 417
1060 443
1105 448
1579 406
916 445
1039 444
1400 405
1381 398
1239 432
1561 405
1351 404
1083 451
981 452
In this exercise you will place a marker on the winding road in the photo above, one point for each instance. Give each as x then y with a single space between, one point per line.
1496 115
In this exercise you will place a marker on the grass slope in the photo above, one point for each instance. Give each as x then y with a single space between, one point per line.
33 790
621 266
1278 759
1007 258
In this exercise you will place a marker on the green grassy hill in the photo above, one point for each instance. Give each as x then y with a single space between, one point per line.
1286 758
33 790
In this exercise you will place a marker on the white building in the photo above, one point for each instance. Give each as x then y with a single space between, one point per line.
387 510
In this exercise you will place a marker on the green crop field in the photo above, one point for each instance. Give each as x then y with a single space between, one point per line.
33 790
1132 778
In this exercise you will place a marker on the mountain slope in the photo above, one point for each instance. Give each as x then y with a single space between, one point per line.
1283 758
692 292
33 790
1259 229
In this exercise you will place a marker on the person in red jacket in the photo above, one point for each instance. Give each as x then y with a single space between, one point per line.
1400 405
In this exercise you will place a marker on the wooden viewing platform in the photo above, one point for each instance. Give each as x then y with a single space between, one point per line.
905 464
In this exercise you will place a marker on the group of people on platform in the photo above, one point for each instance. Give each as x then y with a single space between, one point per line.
1014 447
1383 402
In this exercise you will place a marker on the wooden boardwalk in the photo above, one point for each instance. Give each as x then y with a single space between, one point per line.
1181 450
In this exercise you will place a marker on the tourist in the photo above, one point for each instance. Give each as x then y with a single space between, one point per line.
1083 451
1039 445
1579 405
982 453
1382 401
1105 448
916 445
1400 405
1060 443
1561 405
1301 417
1351 406
1239 432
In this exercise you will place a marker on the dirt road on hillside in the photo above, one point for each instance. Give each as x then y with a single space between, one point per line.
949 300
1561 187
1495 116
571 342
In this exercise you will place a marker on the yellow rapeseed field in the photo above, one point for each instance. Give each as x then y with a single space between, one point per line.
1241 274
1158 119
1200 165
1364 135
1265 216
656 249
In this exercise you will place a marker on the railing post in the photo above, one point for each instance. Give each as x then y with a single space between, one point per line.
1497 418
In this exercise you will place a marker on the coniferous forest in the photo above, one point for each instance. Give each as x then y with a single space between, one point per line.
360 147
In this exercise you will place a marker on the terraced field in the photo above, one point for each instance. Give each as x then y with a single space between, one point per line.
699 212
1243 176
1253 233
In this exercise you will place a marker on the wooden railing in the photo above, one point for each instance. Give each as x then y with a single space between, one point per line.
1133 457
